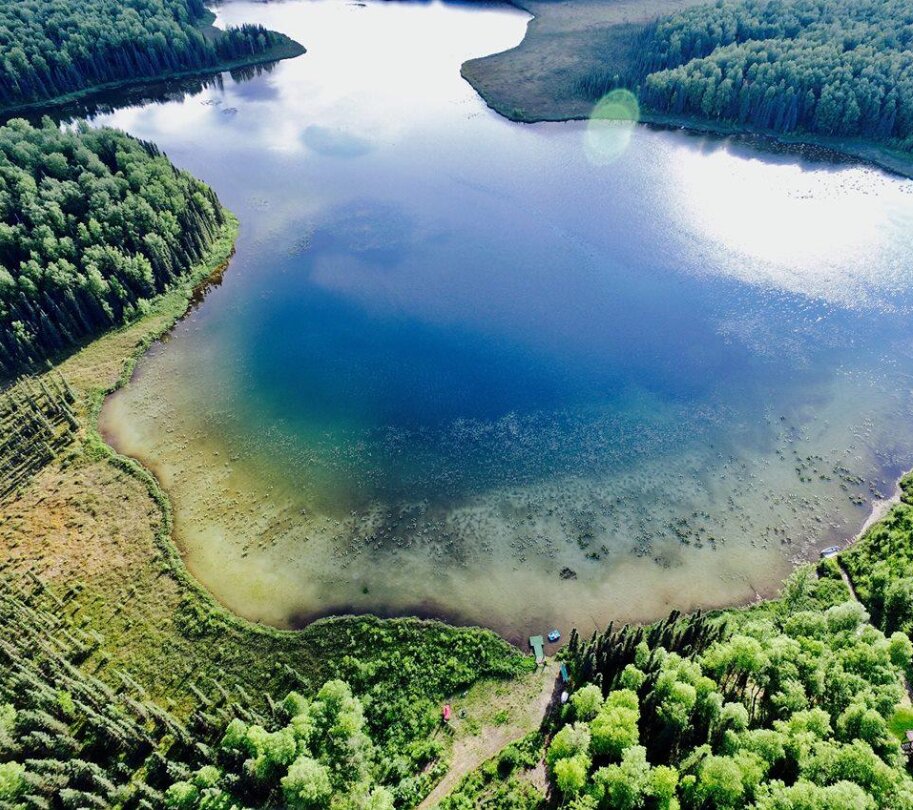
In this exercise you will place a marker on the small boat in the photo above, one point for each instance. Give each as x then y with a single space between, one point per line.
830 551
554 635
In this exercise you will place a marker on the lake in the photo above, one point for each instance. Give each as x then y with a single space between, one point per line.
522 376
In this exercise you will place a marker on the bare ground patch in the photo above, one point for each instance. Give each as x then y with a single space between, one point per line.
491 716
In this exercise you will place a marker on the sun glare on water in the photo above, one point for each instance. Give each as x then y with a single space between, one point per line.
829 235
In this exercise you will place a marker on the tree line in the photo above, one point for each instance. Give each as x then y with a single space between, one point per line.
840 68
777 707
93 223
69 740
53 47
352 732
881 566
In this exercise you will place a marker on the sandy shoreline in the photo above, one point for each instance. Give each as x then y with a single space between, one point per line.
880 510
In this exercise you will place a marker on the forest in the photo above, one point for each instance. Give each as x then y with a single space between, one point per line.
52 48
789 704
786 705
835 68
93 223
782 706
68 739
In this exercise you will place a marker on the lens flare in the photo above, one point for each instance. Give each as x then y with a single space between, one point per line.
609 128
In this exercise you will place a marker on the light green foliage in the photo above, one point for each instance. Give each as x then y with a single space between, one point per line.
568 742
860 722
7 726
624 786
769 744
726 782
806 624
785 711
339 733
807 796
733 716
615 726
182 796
631 678
845 618
684 694
586 702
571 774
216 799
739 657
901 650
12 781
663 784
678 701
582 801
323 752
67 706
295 704
379 799
901 722
642 654
269 750
307 784
633 783
235 734
898 605
206 777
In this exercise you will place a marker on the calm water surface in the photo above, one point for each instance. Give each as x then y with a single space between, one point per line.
459 367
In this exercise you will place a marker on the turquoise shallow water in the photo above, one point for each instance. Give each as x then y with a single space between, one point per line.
465 367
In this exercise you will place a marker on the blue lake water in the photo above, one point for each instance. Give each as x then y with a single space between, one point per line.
467 368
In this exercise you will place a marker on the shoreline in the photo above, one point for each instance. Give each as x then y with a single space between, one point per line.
287 50
486 75
145 470
880 510
859 153
197 280
429 612
190 290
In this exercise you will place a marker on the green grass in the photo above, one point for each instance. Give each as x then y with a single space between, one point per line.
900 722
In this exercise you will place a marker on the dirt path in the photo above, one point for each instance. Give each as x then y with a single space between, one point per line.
848 581
908 688
482 733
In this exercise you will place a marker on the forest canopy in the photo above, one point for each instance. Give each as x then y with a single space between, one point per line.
783 706
79 731
54 47
837 68
93 223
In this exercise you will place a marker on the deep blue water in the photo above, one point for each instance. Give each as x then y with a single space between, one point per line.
455 355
